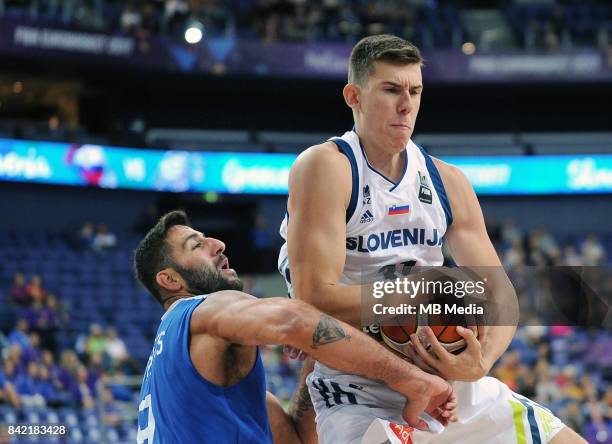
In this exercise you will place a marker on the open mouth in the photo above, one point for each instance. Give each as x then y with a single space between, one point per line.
224 265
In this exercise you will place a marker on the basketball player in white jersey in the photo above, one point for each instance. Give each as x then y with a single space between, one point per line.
371 204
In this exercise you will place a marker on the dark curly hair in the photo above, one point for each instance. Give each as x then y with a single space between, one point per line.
153 252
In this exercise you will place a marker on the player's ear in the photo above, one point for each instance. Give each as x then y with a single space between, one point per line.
168 279
351 95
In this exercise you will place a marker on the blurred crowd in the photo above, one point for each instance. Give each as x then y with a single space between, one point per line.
540 247
36 372
429 23
98 239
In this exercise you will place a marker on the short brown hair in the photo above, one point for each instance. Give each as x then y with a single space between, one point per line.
384 48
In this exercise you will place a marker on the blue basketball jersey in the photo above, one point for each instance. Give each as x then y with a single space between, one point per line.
177 405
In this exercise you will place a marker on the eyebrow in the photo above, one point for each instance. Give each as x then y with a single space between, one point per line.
397 85
188 238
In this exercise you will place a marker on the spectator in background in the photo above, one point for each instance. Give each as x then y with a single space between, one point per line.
35 289
96 342
67 374
16 356
18 294
49 322
130 19
20 334
9 370
86 236
510 233
25 385
31 314
33 352
588 387
509 369
8 393
54 370
112 414
569 387
46 388
104 239
535 254
557 26
527 382
115 348
592 251
571 257
84 393
547 390
55 129
551 39
95 370
515 256
548 245
573 417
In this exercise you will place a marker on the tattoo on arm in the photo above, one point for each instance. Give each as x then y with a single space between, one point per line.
302 402
328 330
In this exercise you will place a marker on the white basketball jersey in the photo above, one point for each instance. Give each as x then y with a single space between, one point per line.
390 226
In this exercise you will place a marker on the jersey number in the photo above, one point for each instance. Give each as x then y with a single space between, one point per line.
149 431
335 395
390 272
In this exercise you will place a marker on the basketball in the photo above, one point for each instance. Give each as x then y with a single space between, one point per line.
444 328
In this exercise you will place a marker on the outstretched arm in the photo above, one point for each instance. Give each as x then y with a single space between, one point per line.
243 319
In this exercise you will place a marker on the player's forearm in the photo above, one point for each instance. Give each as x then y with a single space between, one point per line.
502 316
302 411
497 341
337 344
283 429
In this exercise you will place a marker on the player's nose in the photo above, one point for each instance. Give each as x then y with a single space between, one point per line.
216 246
405 103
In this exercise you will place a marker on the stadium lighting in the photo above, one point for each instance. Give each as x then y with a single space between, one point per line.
468 48
193 33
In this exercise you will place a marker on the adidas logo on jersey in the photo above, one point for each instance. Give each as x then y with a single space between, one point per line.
366 217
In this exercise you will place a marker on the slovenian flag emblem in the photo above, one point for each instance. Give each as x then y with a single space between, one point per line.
399 209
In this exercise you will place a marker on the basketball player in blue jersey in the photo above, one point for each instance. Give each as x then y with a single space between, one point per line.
204 380
371 204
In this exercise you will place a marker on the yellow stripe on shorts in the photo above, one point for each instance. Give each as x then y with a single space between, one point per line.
519 426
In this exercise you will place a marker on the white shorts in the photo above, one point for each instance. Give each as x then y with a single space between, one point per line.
354 410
